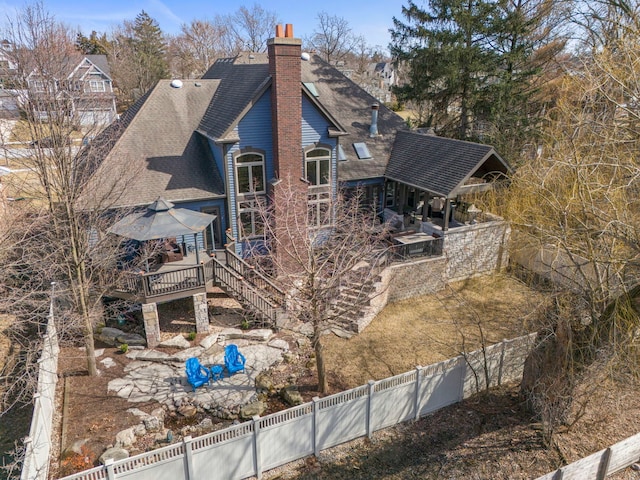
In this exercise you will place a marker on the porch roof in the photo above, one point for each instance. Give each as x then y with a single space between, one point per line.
443 166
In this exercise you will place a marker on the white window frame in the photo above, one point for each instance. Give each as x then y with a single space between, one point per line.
249 165
315 163
97 86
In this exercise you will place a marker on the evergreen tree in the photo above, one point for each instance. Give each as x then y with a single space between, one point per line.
150 51
472 66
91 45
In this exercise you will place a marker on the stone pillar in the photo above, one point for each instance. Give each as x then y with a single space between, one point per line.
151 324
202 312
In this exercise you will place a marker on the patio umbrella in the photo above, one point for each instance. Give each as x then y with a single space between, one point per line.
161 220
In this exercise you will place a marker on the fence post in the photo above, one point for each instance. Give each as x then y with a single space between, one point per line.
417 395
369 400
603 468
188 457
257 461
314 427
111 474
504 342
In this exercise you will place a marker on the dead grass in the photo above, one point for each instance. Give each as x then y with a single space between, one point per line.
432 328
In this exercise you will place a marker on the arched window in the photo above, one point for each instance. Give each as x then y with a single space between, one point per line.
250 173
318 166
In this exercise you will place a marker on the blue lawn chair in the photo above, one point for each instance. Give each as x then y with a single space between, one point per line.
196 373
233 359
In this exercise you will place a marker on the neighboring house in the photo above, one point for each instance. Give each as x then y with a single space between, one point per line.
221 144
9 97
85 88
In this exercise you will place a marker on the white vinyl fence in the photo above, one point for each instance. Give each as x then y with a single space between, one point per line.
38 443
263 443
600 464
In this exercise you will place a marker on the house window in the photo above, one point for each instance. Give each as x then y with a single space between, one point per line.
251 223
390 195
250 173
319 209
318 166
97 86
37 85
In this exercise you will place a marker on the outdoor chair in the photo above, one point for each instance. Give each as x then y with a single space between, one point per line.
196 373
233 359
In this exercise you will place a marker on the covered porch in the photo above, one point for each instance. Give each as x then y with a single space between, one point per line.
429 180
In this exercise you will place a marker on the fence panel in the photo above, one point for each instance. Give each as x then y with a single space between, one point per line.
624 453
226 454
515 354
440 385
286 436
166 463
342 417
393 400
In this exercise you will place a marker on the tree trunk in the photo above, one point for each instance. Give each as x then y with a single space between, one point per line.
322 377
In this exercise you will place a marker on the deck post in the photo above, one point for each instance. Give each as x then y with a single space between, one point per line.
201 312
151 324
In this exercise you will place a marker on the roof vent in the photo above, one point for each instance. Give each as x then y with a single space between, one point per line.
373 129
176 83
305 56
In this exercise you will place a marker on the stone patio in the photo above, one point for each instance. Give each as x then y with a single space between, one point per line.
153 375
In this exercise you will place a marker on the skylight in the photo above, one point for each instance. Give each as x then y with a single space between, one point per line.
361 150
341 156
312 88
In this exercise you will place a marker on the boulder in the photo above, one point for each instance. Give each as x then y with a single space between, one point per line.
279 344
115 453
176 342
152 424
132 339
126 438
108 335
264 382
292 396
187 411
258 335
231 333
209 341
252 409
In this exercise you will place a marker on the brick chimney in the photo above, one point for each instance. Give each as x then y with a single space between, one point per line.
286 100
289 191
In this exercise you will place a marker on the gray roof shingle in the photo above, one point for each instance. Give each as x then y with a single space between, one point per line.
160 150
350 105
440 165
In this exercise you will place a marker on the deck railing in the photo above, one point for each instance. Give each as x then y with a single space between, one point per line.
155 284
259 304
255 278
426 248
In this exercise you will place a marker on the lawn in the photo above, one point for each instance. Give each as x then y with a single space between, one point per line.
431 328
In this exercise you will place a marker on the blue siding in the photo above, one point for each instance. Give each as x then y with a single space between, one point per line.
197 206
315 129
254 130
218 156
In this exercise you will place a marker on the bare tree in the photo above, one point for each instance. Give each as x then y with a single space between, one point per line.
576 209
333 39
251 27
323 250
197 46
58 233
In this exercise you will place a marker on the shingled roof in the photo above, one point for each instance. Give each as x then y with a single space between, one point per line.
441 166
350 105
160 149
345 105
241 79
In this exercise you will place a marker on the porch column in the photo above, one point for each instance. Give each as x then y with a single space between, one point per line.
201 312
151 324
425 209
403 198
447 214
